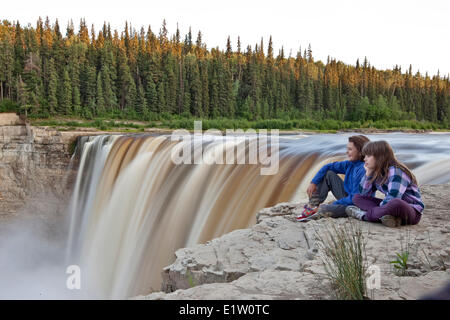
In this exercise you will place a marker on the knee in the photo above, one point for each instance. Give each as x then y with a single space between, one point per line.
357 197
330 174
396 202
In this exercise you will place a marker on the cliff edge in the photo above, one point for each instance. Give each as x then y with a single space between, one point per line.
279 258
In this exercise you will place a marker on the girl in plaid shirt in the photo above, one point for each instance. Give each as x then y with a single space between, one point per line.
402 203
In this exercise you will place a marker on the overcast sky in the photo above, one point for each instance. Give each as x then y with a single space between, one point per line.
388 32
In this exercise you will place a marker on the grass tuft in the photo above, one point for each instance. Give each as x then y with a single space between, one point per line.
343 255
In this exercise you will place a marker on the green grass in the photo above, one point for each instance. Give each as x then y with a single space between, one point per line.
323 126
401 263
100 124
190 279
407 249
343 255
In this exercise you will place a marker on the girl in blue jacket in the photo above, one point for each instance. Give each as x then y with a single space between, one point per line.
327 180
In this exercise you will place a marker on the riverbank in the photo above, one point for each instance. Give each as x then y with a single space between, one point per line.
294 126
153 130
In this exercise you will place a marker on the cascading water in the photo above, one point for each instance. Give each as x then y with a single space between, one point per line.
132 206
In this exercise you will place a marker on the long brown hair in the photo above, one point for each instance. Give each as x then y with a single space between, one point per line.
359 141
384 158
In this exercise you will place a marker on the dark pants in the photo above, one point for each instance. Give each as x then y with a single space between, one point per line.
395 207
331 182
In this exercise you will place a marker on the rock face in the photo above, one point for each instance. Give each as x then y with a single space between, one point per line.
279 258
34 169
11 119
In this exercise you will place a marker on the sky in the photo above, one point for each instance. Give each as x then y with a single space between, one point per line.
387 32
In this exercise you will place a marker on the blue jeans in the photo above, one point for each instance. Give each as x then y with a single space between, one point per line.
331 182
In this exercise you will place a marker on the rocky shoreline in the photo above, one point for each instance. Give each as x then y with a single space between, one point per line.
278 258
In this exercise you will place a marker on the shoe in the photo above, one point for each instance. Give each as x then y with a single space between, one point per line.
391 221
322 212
355 212
307 213
314 201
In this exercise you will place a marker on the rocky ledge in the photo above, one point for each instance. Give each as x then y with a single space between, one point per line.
279 258
35 168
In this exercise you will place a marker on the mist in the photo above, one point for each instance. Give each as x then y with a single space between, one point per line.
32 256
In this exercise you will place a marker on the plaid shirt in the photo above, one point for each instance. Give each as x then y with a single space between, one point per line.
398 185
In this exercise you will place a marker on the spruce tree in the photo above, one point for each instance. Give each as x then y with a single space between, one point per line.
151 95
100 98
52 88
66 101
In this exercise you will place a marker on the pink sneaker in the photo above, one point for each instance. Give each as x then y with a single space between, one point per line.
307 213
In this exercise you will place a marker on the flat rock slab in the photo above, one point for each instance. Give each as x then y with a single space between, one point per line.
264 285
280 258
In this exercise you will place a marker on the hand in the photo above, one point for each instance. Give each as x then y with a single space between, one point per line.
368 171
312 188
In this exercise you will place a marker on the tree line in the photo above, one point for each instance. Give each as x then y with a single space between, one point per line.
153 76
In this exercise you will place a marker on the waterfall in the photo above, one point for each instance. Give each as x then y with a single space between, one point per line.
133 206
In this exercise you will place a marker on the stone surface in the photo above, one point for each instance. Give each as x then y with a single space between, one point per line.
11 119
279 258
267 285
35 169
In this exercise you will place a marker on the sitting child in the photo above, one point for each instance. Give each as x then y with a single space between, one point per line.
327 180
402 203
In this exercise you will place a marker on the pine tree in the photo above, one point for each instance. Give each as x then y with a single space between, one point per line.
170 71
204 71
19 52
141 107
109 96
66 101
270 52
161 95
163 38
151 95
100 99
74 54
32 79
195 86
70 31
229 49
6 67
126 84
52 89
309 56
89 89
130 94
199 46
214 95
188 42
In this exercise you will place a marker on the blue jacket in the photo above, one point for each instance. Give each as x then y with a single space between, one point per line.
353 170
